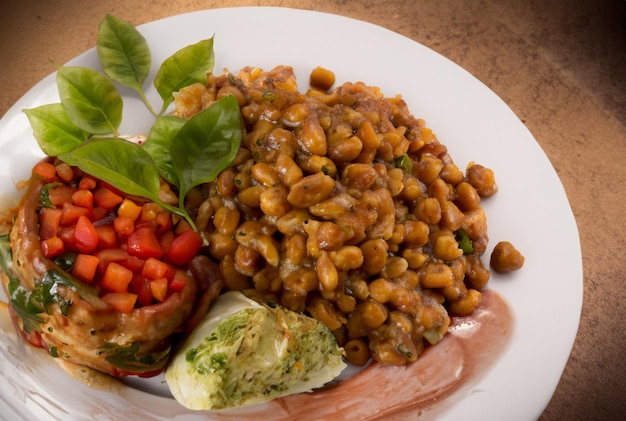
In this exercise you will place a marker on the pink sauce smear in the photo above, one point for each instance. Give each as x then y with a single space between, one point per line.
383 392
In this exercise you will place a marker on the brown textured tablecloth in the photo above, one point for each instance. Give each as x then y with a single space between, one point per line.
560 65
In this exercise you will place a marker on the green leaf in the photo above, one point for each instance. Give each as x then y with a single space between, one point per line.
207 144
54 131
158 144
90 100
185 67
6 262
124 165
126 358
123 52
44 196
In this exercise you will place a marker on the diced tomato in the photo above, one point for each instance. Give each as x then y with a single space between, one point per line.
107 238
102 183
141 286
149 211
108 256
64 171
67 235
185 247
49 221
124 302
85 235
61 194
46 170
159 288
179 281
83 198
116 278
52 247
181 227
144 243
124 226
71 213
98 213
166 240
107 198
129 209
163 221
87 183
155 269
85 267
134 263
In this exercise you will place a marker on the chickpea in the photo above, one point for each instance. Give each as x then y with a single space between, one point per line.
357 352
322 79
482 179
506 258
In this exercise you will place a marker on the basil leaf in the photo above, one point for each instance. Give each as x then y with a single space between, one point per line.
123 52
207 143
158 144
124 165
129 358
90 100
54 131
44 196
6 262
186 66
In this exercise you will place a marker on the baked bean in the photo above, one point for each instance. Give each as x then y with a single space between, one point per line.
347 257
415 257
358 176
428 210
312 137
233 279
446 246
374 255
476 274
436 275
293 221
314 164
287 169
273 201
482 179
310 190
323 236
231 90
226 220
326 272
295 248
221 245
395 267
322 79
506 258
295 114
416 233
265 174
342 204
324 311
357 352
465 305
251 196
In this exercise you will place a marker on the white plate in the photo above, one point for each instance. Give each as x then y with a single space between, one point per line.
530 210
